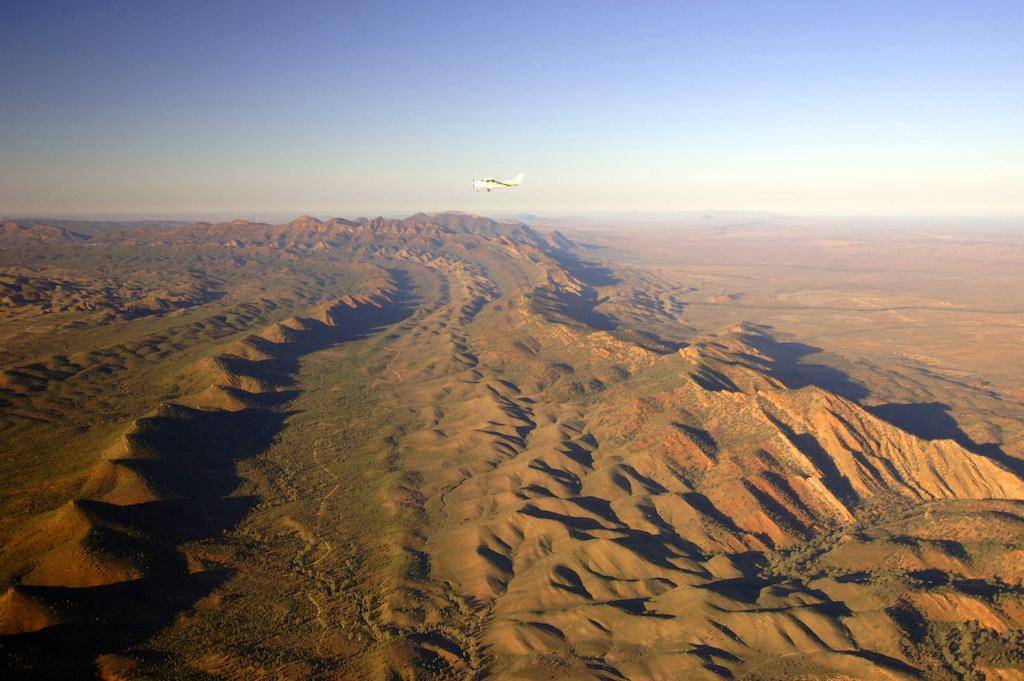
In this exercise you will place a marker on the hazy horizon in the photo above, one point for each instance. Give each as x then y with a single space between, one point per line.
870 108
729 386
640 221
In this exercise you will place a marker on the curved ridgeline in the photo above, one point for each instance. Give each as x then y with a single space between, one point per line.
505 460
102 572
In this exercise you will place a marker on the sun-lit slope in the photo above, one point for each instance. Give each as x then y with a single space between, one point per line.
168 481
171 477
617 528
71 376
614 505
493 458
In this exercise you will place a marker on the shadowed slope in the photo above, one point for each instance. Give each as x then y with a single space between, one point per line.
538 470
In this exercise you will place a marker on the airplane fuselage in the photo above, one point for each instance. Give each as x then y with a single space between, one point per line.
486 185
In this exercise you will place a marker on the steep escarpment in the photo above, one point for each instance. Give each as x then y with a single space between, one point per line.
619 510
452 447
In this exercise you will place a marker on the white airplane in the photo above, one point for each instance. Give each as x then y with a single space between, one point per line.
489 183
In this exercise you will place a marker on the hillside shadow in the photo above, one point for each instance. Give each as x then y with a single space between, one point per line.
347 324
791 367
705 507
933 421
886 662
927 420
582 308
746 589
189 456
588 272
175 521
831 476
368 320
69 650
648 341
194 451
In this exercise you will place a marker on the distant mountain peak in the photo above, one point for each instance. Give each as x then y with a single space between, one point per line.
306 221
38 231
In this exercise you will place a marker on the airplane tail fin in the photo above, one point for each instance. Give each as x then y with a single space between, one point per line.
518 179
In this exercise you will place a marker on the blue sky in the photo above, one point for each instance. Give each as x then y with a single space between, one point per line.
255 108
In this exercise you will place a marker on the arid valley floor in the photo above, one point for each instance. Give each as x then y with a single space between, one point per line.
458 448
